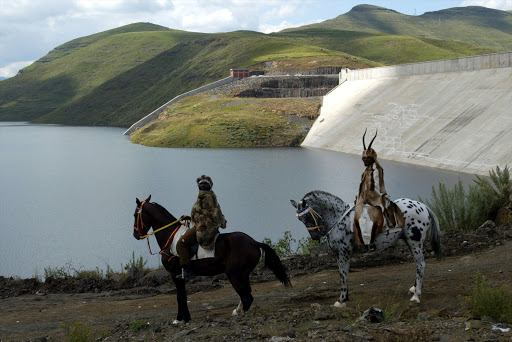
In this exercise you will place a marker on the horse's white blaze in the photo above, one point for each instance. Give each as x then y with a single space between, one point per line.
340 305
366 225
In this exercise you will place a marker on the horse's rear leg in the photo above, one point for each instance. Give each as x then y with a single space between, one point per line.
242 286
419 259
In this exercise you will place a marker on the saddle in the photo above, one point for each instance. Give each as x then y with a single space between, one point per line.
196 251
370 221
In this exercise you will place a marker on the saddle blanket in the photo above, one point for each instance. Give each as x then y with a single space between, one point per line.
201 252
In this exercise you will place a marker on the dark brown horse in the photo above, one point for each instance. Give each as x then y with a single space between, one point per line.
236 255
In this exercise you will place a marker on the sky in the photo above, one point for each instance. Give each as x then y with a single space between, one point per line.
29 29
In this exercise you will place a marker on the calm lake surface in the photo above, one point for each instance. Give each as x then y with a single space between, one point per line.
68 193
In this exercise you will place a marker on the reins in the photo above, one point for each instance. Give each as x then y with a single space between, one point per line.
350 208
315 215
171 237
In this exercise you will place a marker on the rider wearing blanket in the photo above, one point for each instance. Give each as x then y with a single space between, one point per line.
383 212
207 217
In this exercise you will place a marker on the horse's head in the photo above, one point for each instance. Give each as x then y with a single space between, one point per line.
142 220
312 220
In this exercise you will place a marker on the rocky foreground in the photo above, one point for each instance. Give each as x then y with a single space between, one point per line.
142 308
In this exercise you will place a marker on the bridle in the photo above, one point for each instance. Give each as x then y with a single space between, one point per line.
140 226
315 216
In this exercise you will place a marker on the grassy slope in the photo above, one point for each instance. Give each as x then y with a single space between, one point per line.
385 48
222 121
185 66
77 68
118 76
478 26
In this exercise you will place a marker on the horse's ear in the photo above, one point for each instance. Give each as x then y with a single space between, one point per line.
294 203
137 201
148 199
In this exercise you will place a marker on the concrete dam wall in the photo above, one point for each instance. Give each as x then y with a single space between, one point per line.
453 114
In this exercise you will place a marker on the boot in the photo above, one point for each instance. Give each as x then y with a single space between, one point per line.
186 273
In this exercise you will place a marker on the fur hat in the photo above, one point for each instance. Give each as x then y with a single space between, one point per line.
204 182
369 152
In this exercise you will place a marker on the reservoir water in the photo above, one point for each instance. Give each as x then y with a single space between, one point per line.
68 193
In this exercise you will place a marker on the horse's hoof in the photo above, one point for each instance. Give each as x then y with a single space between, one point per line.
177 323
412 289
340 305
415 299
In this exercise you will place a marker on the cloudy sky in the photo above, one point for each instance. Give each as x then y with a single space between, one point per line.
29 29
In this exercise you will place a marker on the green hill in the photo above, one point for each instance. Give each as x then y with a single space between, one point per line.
224 121
116 77
473 25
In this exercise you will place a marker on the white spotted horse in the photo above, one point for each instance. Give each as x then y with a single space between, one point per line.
326 215
236 255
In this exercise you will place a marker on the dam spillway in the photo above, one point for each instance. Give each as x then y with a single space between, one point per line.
453 114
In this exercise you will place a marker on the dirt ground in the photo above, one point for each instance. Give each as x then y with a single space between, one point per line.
39 312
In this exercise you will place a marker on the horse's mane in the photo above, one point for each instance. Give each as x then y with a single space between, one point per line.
165 211
316 193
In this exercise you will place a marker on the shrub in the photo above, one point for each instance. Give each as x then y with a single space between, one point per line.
307 244
84 274
78 332
59 272
492 302
138 263
138 325
460 210
283 247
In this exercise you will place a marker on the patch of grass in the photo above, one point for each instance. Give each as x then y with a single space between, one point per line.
393 309
68 271
78 332
138 325
222 121
495 302
85 274
62 272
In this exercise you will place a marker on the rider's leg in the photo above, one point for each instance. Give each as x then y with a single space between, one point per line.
183 247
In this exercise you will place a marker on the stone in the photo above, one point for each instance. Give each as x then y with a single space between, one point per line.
374 315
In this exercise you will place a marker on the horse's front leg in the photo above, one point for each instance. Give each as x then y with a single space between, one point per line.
181 296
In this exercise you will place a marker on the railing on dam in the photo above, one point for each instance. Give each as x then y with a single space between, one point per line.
480 62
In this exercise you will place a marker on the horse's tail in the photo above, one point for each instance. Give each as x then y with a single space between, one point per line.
435 233
273 262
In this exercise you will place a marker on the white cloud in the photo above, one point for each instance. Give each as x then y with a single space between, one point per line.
12 69
496 4
269 28
206 21
29 29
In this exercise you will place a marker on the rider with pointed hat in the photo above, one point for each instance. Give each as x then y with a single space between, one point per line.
384 213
